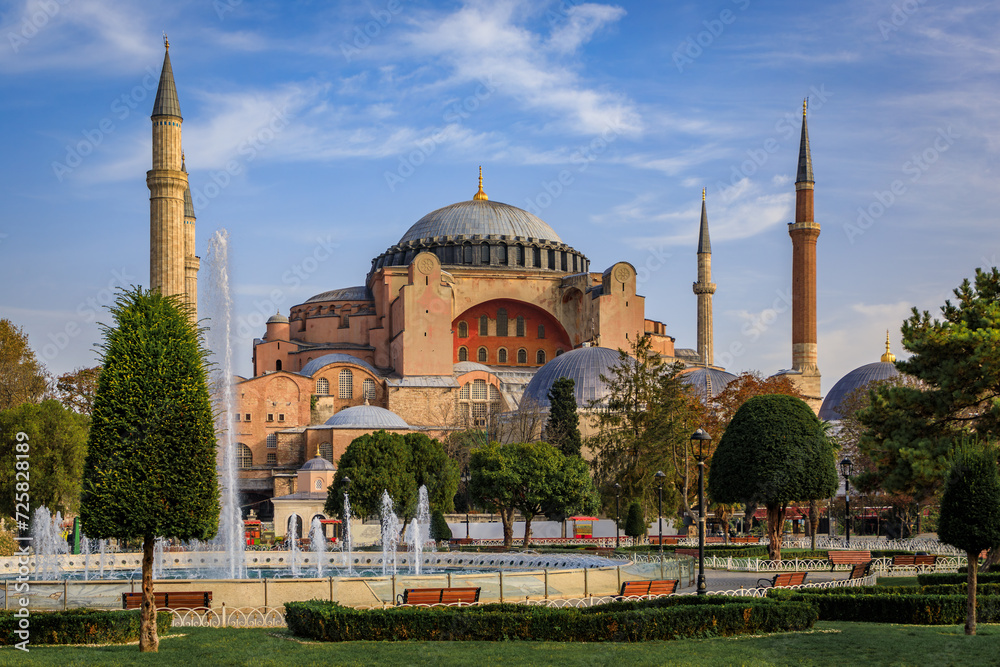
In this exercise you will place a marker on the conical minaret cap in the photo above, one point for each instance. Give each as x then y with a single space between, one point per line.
704 242
166 103
805 172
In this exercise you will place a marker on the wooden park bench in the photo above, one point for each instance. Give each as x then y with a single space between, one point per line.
171 600
632 589
749 539
914 560
783 579
847 558
438 596
860 571
459 542
686 552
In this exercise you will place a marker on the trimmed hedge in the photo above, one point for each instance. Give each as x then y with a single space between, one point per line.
617 622
903 609
80 626
940 578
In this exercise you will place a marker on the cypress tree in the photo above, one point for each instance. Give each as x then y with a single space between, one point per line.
439 527
563 426
635 523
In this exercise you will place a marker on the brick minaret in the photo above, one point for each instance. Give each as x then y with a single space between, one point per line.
704 288
804 232
167 182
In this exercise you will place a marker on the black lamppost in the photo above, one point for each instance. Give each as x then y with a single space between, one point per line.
466 478
618 495
845 469
659 505
701 438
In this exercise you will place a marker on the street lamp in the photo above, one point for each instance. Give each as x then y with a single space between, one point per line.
845 469
618 495
701 438
659 505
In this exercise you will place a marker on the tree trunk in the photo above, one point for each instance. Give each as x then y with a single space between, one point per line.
148 640
507 519
748 511
775 527
527 531
970 613
813 521
992 558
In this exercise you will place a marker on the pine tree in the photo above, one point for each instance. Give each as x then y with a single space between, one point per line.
563 426
150 466
635 523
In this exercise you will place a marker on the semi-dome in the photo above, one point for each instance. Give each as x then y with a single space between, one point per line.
584 366
469 366
367 417
707 382
859 377
480 217
335 358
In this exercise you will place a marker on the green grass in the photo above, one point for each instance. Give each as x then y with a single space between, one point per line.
830 643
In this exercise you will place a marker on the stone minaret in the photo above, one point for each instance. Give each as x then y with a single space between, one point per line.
804 232
704 288
191 261
168 182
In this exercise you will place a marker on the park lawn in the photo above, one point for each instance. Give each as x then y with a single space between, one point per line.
829 643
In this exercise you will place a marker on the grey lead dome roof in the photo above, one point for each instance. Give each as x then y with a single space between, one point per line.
366 416
482 217
317 463
859 377
335 358
707 382
584 366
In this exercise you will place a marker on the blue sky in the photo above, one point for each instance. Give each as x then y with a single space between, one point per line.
318 125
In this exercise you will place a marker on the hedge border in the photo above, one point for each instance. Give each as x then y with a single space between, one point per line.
80 626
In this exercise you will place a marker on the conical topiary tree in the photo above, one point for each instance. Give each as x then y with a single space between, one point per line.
150 466
440 531
635 523
563 426
970 512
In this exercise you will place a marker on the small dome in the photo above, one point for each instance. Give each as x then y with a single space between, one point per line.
317 464
584 366
707 382
277 318
366 416
480 217
356 293
859 377
469 366
336 358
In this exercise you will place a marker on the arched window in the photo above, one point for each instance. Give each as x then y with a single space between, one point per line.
244 457
319 485
326 451
467 249
484 325
540 357
520 255
272 440
522 356
541 331
463 329
484 253
502 254
463 354
346 384
501 321
502 355
477 401
483 355
536 257
322 387
520 325
368 389
277 365
559 351
552 260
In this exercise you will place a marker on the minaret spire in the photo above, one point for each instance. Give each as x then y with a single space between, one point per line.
481 195
805 232
888 357
704 289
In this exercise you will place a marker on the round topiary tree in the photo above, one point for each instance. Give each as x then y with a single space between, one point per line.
970 512
635 522
440 531
774 451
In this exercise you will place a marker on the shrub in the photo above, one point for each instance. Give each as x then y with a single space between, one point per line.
80 626
439 527
635 522
937 578
896 608
625 621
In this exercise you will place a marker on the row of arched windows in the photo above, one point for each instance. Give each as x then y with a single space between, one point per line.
503 357
345 386
503 326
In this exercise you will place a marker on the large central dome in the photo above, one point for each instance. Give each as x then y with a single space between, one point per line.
483 218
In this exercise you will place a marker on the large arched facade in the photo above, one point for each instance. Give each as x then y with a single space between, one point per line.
508 333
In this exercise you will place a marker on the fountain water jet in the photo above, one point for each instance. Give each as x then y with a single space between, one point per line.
317 544
347 535
390 534
419 530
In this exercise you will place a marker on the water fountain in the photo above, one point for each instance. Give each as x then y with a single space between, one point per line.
293 540
347 544
390 534
419 530
47 542
317 544
85 550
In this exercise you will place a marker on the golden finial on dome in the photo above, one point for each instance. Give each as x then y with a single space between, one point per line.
888 357
805 104
480 195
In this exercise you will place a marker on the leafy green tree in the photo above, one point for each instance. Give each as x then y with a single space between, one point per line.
150 465
970 512
910 429
433 468
440 531
563 426
22 377
635 524
528 477
76 390
773 452
57 440
375 462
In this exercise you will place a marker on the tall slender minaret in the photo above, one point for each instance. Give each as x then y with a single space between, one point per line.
804 232
191 261
167 182
704 288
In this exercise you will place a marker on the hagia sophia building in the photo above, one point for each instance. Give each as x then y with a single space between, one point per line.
470 316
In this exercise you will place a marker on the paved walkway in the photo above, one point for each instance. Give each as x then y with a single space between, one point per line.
722 580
